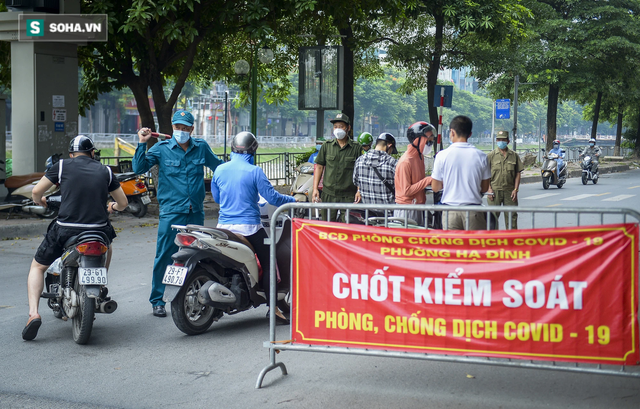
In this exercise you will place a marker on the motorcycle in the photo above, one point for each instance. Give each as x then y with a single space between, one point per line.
19 194
302 185
76 283
135 188
587 171
215 272
550 175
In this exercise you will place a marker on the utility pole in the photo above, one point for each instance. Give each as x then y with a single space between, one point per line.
515 111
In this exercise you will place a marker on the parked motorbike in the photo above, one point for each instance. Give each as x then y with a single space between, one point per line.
550 174
76 283
135 188
302 185
215 272
588 172
19 194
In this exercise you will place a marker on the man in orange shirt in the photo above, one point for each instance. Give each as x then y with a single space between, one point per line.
410 179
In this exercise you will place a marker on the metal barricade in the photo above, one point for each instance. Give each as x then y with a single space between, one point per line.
537 218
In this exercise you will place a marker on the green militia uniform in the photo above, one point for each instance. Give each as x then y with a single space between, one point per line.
504 169
338 163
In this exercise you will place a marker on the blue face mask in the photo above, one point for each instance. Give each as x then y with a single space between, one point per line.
502 145
318 147
181 136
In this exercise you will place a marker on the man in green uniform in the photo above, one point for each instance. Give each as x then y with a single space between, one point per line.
336 160
506 167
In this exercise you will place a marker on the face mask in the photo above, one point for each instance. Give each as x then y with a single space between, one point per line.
318 147
502 145
556 146
181 136
427 149
339 133
592 144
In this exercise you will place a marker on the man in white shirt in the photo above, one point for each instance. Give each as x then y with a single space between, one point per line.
464 174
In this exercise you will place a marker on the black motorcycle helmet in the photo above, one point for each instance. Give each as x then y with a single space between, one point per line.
419 129
244 142
81 143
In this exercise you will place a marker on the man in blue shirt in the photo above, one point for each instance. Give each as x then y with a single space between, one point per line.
180 189
236 186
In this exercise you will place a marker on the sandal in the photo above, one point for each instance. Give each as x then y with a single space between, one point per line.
31 329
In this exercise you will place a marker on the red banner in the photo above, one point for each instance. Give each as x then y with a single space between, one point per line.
565 294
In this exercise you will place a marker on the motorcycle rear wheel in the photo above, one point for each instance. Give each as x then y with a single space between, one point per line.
188 314
83 319
585 179
49 214
136 207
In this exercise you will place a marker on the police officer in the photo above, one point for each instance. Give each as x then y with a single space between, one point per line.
506 167
336 161
84 186
181 161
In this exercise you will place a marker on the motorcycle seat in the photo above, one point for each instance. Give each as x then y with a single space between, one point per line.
14 182
89 235
121 177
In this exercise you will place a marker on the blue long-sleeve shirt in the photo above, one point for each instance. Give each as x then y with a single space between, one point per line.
181 174
236 185
558 152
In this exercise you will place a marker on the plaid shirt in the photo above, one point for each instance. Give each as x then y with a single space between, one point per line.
371 187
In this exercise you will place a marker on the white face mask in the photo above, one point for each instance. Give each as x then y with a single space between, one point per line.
427 150
339 133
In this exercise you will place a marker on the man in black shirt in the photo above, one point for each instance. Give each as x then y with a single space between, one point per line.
84 185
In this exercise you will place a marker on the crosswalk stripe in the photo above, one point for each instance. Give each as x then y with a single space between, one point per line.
617 198
633 187
579 197
542 196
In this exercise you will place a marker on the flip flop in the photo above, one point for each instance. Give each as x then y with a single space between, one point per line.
31 330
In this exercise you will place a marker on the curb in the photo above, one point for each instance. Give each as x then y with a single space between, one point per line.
36 228
576 173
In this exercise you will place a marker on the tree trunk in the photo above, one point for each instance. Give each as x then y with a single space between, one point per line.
638 136
434 69
596 115
616 149
348 104
552 115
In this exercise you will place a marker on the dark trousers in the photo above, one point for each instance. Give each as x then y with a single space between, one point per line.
263 253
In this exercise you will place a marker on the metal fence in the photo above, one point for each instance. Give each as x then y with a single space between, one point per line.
533 218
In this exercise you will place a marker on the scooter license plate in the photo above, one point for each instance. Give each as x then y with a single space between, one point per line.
92 275
145 199
174 275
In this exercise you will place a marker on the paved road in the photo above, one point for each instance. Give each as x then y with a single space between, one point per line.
135 360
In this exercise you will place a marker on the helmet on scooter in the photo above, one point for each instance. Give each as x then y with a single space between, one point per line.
592 142
556 143
244 142
419 129
81 143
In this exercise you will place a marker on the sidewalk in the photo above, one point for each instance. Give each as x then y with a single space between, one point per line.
25 226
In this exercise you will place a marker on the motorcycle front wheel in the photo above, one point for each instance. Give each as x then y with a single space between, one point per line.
83 319
546 181
585 179
188 314
595 180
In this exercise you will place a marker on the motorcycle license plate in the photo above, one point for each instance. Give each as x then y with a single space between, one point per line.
92 275
174 275
145 199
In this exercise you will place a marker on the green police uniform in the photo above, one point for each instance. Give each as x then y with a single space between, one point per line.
504 169
338 165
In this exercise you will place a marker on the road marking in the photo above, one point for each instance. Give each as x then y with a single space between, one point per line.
617 198
633 187
578 197
603 194
554 205
542 196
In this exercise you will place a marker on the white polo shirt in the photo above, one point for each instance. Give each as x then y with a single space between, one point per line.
461 168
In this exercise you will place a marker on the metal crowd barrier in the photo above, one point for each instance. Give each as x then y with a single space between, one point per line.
536 218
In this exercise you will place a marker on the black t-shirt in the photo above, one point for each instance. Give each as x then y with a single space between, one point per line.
84 186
